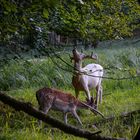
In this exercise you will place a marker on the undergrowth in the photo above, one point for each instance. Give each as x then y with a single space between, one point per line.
21 79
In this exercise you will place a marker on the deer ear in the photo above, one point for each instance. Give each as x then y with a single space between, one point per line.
74 48
94 56
92 103
91 100
87 100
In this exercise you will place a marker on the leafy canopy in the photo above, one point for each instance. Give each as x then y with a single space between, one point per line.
91 20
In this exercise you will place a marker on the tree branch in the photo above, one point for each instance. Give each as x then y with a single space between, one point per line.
111 118
27 108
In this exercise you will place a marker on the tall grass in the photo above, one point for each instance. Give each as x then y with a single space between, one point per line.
41 72
21 78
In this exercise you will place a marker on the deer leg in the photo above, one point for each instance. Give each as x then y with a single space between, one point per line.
97 96
76 116
88 94
39 121
45 107
77 93
45 110
100 94
65 118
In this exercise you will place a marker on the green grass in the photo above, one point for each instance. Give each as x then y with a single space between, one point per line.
21 79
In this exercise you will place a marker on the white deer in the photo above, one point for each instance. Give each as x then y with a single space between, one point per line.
49 98
88 77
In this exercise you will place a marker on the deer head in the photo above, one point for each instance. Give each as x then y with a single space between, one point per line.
77 56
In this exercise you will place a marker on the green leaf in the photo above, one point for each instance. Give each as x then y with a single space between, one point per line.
45 13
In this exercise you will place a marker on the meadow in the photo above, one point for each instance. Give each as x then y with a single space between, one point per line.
21 78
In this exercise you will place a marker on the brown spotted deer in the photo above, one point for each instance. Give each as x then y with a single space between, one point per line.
49 98
88 77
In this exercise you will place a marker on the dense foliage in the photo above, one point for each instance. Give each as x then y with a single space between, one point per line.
89 20
25 25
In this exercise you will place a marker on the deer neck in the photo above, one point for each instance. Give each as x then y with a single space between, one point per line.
77 66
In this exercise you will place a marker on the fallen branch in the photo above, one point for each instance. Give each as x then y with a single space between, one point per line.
27 108
111 118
